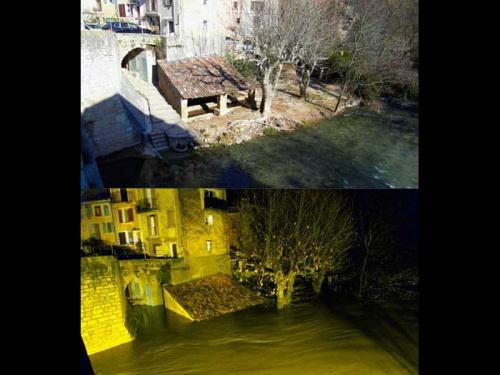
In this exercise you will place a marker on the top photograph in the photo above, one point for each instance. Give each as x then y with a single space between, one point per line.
250 94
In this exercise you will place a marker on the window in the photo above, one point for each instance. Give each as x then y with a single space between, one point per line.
153 5
88 211
208 246
124 238
97 211
167 3
238 20
173 250
170 219
94 231
209 219
107 227
121 8
125 215
205 2
123 195
235 5
152 225
171 29
106 210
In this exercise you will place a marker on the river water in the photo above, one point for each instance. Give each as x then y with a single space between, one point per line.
348 338
357 149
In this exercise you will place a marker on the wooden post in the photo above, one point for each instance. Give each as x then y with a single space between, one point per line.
221 109
251 99
184 110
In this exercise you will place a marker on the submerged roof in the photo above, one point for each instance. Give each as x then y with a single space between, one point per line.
200 77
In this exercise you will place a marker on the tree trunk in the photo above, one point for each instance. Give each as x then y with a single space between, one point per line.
341 94
277 76
284 289
304 82
362 276
317 282
267 94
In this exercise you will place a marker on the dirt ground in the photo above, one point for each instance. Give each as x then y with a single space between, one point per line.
287 104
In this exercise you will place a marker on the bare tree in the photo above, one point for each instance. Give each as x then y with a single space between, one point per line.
324 35
376 239
370 49
287 233
279 31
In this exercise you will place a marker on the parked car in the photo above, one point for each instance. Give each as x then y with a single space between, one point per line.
125 27
92 26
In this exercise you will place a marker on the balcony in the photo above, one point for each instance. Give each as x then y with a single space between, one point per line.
147 205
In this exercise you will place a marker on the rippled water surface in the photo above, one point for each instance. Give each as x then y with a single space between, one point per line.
358 149
305 339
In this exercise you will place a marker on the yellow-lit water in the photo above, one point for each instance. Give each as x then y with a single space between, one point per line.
305 339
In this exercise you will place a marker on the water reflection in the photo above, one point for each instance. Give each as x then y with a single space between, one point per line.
304 339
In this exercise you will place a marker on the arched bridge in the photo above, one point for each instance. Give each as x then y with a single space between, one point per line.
130 42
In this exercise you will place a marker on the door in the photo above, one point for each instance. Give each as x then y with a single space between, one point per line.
122 10
138 15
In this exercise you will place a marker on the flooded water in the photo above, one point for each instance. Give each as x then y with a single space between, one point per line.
306 339
358 149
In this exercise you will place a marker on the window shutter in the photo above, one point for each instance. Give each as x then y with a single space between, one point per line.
120 216
106 210
89 211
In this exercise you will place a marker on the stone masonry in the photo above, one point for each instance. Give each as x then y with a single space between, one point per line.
103 304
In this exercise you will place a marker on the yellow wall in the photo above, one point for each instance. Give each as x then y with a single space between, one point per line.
103 305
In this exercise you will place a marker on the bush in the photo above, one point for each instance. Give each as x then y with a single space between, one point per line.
246 68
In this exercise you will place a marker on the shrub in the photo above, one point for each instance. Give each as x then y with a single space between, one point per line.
247 68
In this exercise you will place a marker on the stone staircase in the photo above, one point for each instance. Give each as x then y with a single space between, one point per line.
167 127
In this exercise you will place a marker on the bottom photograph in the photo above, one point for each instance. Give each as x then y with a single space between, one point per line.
223 281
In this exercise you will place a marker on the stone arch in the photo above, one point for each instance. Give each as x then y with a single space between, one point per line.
131 54
141 59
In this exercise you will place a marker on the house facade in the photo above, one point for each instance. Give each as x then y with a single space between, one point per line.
166 223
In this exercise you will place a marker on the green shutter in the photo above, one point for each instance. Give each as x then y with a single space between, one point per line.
89 211
106 210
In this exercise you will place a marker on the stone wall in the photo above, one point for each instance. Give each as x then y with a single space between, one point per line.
167 88
195 231
103 304
115 116
136 104
100 67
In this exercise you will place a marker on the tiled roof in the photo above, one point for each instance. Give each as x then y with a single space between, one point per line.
202 77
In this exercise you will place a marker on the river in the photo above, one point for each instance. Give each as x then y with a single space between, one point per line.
359 148
310 338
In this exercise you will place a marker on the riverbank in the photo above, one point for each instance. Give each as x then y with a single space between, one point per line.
359 148
289 112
